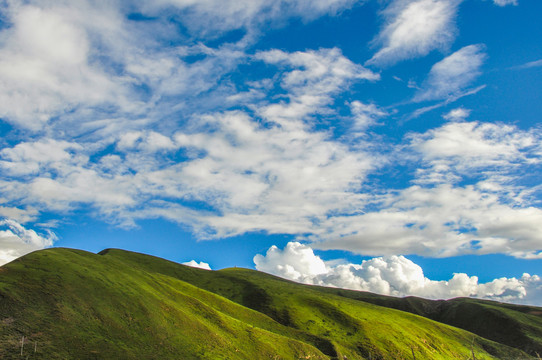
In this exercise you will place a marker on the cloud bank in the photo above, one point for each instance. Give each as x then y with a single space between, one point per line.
392 275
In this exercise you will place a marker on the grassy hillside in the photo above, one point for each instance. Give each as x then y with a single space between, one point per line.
123 305
514 325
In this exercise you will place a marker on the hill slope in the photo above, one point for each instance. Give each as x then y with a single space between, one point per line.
123 305
514 325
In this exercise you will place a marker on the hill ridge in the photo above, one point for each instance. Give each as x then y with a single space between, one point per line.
123 304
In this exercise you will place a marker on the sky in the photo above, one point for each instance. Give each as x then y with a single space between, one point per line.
391 146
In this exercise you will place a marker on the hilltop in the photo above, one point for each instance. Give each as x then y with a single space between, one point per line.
72 304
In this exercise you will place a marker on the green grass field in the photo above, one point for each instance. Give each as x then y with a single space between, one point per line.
71 304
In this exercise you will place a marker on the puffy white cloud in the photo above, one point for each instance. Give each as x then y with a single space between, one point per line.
414 28
62 69
200 265
451 75
392 275
150 141
16 240
296 262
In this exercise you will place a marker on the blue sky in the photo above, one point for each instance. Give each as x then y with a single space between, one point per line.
390 146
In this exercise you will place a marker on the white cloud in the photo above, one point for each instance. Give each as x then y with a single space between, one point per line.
296 262
457 114
392 275
208 16
29 157
123 131
317 75
17 214
505 2
16 240
441 221
200 265
445 216
414 28
530 64
365 115
150 141
63 70
281 177
465 146
269 178
451 75
46 67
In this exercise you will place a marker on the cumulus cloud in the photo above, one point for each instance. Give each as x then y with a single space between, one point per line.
392 275
414 28
16 240
200 265
451 75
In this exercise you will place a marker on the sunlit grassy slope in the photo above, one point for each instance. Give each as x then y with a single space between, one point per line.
71 304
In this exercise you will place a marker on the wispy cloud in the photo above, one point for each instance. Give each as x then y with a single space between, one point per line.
206 17
529 65
365 115
505 2
413 28
451 75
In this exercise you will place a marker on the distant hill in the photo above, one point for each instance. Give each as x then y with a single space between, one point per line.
71 304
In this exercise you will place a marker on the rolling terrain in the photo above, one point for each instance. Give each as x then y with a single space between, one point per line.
72 304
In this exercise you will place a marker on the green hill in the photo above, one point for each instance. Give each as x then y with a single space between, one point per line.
71 304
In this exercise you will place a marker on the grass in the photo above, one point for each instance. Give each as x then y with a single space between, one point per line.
124 305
